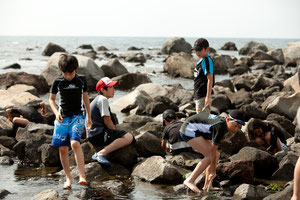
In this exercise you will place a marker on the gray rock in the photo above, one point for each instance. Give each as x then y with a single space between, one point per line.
232 143
5 160
113 68
291 52
285 172
52 48
8 142
155 128
137 121
6 127
129 81
3 193
126 156
49 155
13 66
187 160
176 45
250 192
251 47
49 194
229 46
85 46
157 170
148 145
102 48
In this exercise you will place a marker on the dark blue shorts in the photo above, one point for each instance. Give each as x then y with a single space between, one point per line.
70 129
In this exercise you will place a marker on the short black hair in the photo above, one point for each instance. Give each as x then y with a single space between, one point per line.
104 88
67 63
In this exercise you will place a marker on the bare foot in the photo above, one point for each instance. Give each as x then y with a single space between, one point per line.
82 181
67 184
192 186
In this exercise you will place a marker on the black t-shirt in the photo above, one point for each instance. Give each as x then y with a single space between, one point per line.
209 126
70 102
171 132
29 112
203 67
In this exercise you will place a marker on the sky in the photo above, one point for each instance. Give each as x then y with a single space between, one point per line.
154 18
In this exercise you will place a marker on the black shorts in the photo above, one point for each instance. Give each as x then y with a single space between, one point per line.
107 137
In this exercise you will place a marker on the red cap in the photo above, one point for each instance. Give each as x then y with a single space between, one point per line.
105 82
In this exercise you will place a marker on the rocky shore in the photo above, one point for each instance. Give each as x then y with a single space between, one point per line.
264 84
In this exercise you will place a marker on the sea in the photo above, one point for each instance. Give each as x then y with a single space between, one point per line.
23 182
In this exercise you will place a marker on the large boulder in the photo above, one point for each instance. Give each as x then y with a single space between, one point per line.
222 63
180 65
87 67
229 46
18 88
16 99
239 171
52 48
277 55
251 46
264 163
131 80
247 191
286 105
12 78
157 170
293 82
176 45
292 52
126 156
6 127
113 68
232 143
134 57
285 172
148 145
240 98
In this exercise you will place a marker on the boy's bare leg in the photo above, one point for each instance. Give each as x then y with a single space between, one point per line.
296 188
117 144
64 159
20 121
207 172
203 146
79 158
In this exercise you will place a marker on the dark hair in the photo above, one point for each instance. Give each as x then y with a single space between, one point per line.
104 88
256 124
200 44
169 115
67 63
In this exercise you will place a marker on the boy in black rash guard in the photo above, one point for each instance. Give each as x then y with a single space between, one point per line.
30 113
203 76
203 132
69 123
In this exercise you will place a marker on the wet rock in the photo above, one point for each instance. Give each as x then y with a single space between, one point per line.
118 170
148 145
239 171
279 105
251 46
292 52
187 160
12 78
8 142
97 193
92 171
282 195
264 163
85 46
49 194
13 66
87 67
229 46
3 193
285 172
247 191
114 68
5 160
180 65
157 170
4 151
49 155
129 81
176 44
6 127
52 48
102 48
117 187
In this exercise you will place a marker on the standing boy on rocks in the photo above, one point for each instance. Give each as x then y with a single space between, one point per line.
103 132
203 132
203 76
69 123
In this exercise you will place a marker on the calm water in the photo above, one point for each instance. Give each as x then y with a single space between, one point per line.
26 182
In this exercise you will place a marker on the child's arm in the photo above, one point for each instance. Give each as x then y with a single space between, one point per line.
164 145
108 122
210 79
9 115
53 107
86 103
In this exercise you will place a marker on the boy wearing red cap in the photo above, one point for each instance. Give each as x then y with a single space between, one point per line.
103 131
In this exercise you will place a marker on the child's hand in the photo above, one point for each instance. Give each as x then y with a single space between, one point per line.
59 117
89 124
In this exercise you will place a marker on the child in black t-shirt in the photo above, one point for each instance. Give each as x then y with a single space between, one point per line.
26 114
